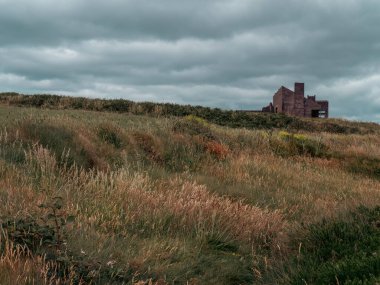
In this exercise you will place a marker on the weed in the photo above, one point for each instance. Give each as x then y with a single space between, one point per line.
28 233
37 232
56 217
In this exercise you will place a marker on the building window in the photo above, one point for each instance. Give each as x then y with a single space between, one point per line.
315 113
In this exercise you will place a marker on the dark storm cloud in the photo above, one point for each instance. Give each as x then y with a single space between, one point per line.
230 54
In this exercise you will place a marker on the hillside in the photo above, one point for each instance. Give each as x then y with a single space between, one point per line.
234 119
116 192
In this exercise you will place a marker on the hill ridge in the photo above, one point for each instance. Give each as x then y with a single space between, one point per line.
228 118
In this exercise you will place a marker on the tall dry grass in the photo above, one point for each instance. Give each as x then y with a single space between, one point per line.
158 203
305 189
21 267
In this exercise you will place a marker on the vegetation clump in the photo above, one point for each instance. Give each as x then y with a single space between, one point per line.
287 144
344 252
368 166
194 126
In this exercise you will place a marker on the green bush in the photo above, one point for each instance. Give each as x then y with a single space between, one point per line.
339 129
286 144
364 165
194 126
347 252
27 233
39 237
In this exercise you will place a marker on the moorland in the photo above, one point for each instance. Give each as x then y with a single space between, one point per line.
116 192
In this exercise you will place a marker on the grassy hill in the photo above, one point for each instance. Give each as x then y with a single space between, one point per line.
234 119
116 192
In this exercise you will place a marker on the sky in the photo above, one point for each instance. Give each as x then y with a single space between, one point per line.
231 54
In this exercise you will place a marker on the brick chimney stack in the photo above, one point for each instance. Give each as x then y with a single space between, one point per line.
299 89
299 95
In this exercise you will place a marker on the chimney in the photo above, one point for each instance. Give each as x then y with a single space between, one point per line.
299 89
299 100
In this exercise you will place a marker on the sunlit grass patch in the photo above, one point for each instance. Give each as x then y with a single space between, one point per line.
287 144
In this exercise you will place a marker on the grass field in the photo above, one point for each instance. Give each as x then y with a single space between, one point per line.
90 197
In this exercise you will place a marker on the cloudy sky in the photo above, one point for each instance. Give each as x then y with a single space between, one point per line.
232 54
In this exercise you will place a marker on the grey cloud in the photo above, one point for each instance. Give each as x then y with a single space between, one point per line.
46 21
230 53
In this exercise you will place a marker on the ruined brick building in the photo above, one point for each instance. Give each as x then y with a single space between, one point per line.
294 103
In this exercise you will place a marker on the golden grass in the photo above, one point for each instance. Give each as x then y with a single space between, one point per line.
19 266
310 188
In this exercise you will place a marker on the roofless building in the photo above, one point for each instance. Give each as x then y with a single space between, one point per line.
294 103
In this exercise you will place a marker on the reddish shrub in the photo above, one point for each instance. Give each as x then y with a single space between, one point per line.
219 150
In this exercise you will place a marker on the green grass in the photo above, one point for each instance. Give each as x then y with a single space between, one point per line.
344 252
365 165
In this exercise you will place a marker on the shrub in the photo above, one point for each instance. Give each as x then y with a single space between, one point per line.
27 232
364 165
193 118
335 128
36 239
344 252
219 150
194 126
287 144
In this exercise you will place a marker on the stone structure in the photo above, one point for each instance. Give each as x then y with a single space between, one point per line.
294 103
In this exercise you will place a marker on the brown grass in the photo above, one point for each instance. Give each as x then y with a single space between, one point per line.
234 205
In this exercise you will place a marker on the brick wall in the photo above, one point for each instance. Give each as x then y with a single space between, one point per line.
277 101
283 101
299 99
